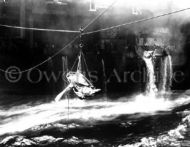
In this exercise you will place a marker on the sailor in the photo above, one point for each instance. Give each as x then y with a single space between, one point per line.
81 86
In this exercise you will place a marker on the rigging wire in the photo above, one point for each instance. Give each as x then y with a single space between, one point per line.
87 33
81 34
101 14
68 109
134 22
87 70
39 29
74 64
41 63
53 30
81 30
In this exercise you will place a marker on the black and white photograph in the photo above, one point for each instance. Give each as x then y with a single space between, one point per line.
94 73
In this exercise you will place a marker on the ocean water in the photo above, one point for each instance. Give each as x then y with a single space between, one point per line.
128 121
